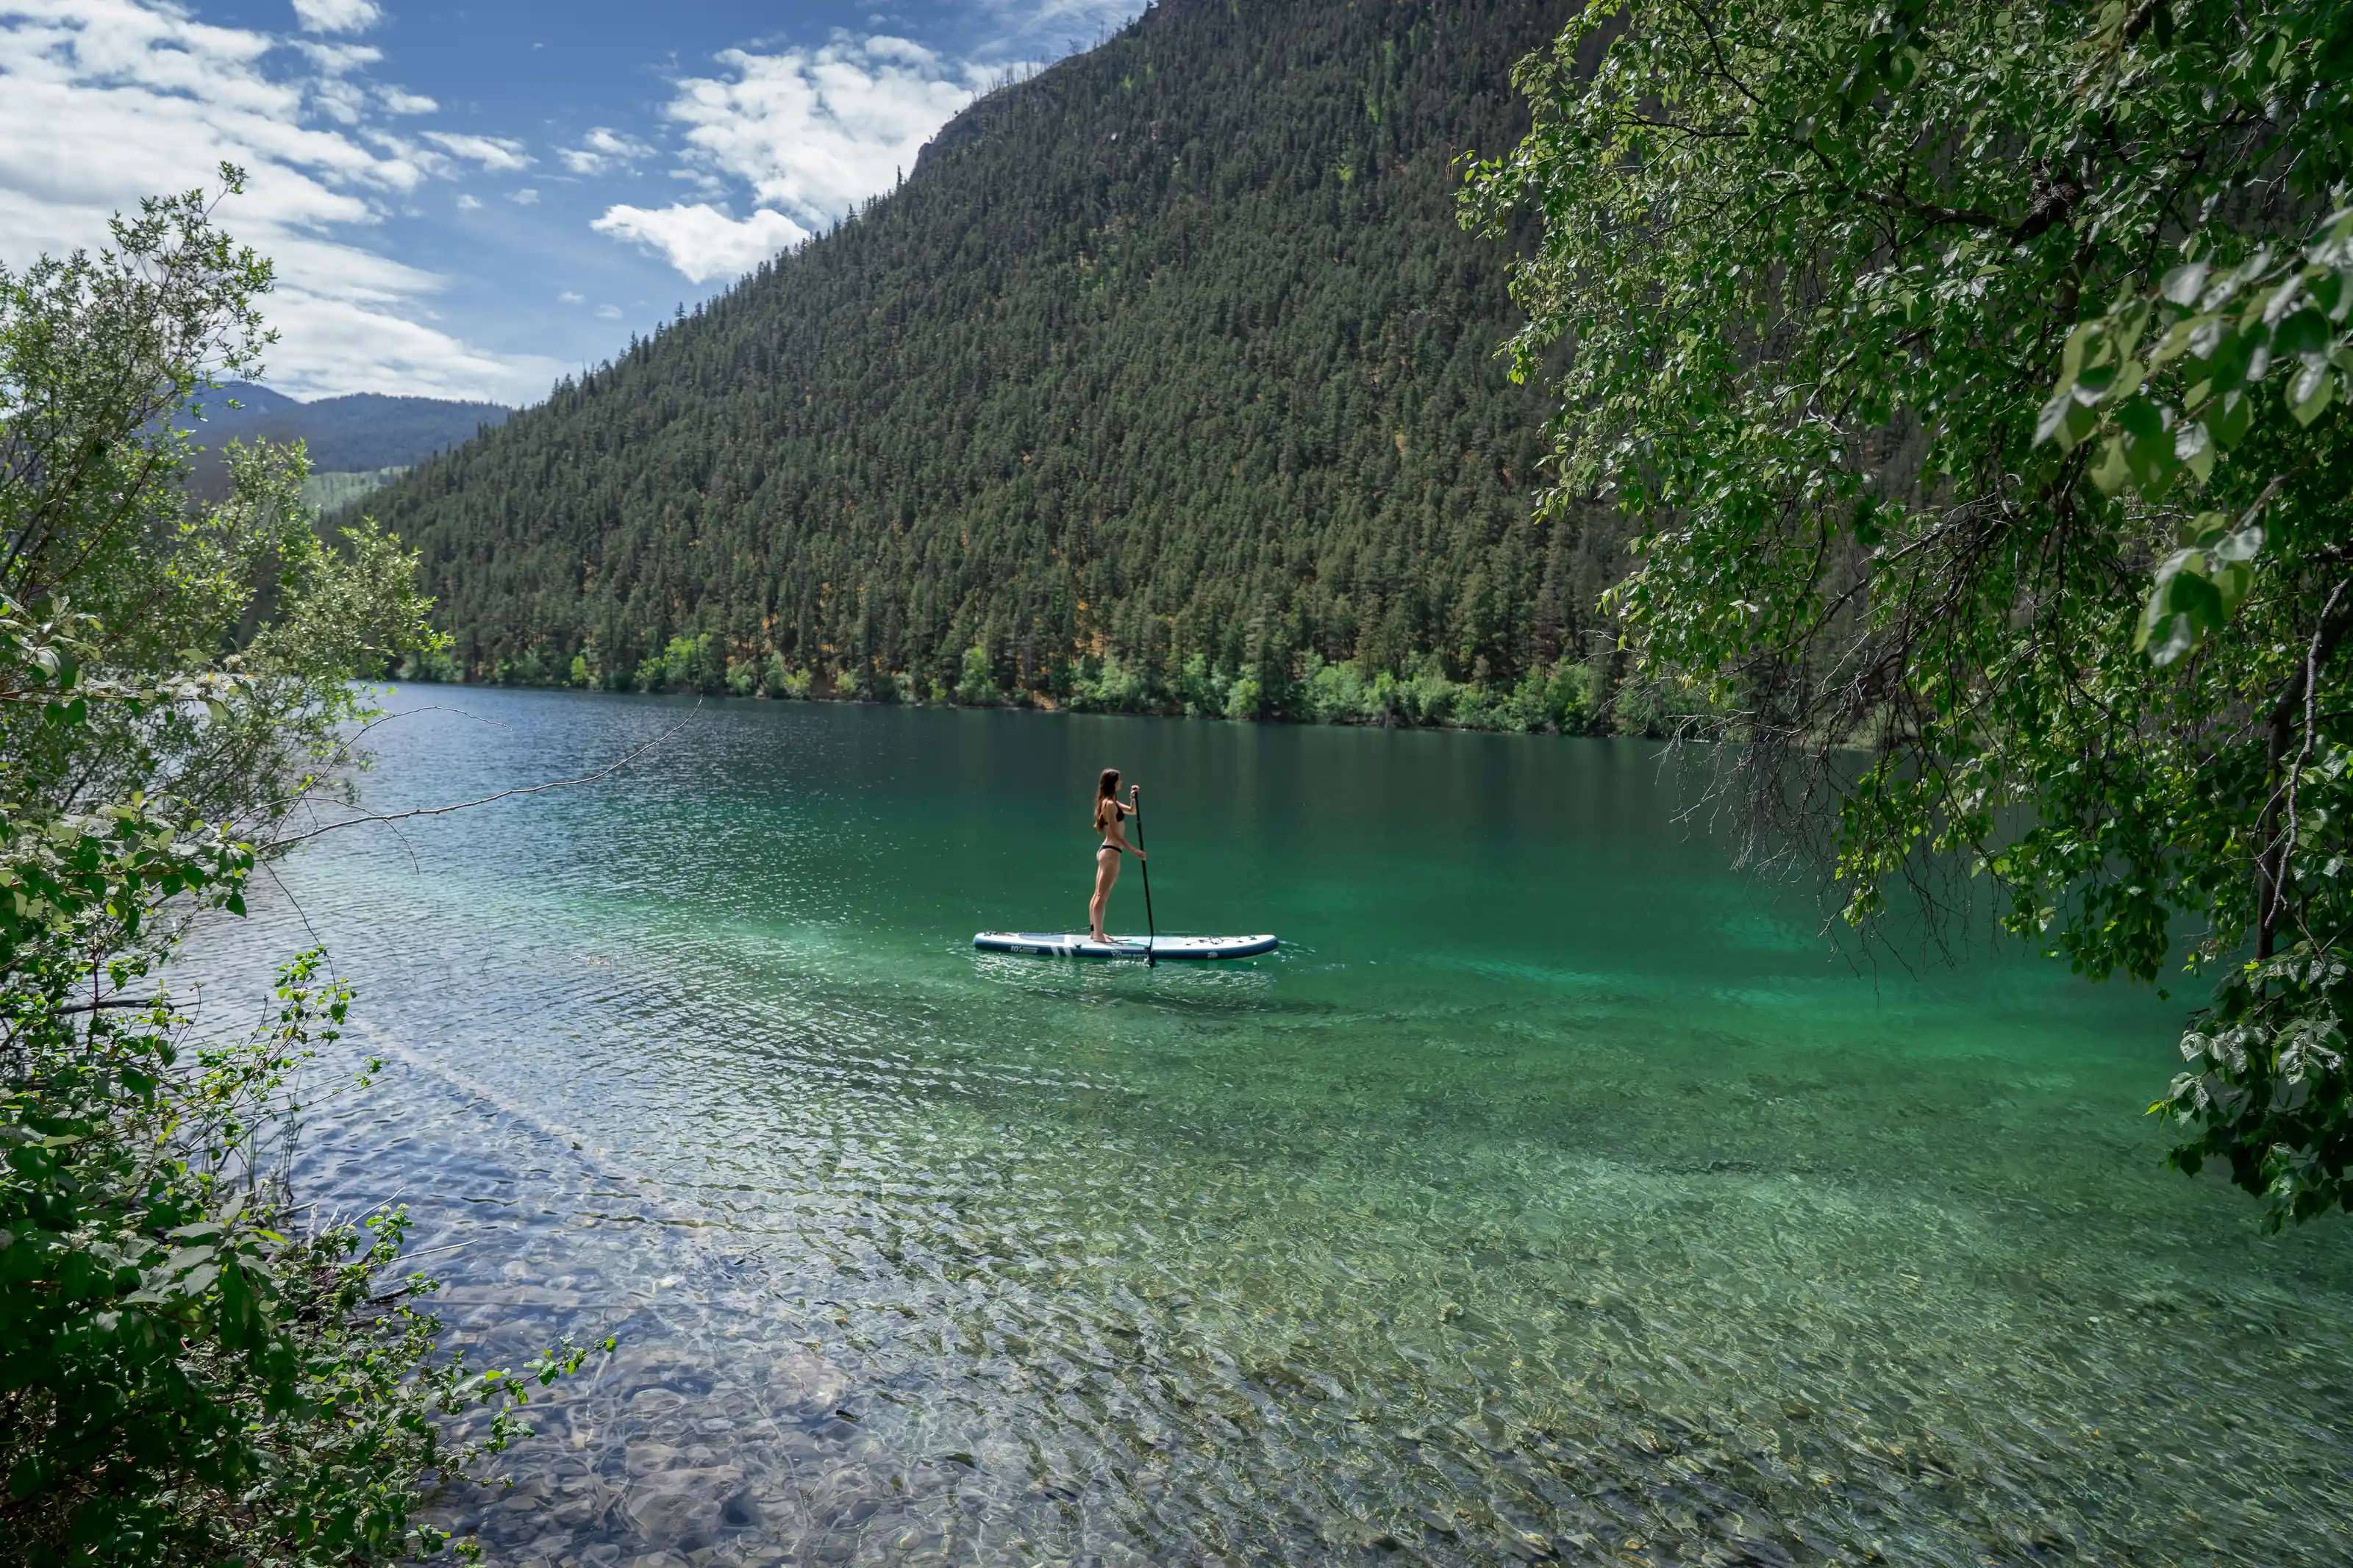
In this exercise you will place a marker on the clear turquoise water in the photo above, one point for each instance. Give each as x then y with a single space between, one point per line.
1555 1191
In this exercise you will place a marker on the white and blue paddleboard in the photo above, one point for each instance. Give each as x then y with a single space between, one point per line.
1078 944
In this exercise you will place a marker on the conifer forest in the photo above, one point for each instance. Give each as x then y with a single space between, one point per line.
1168 380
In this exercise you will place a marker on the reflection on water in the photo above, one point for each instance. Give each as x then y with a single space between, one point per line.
1554 1196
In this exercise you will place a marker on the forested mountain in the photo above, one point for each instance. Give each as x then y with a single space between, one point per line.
350 436
1168 377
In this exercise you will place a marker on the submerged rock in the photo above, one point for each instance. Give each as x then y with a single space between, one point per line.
810 1385
646 1459
689 1508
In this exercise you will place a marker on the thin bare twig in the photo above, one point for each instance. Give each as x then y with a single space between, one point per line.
2304 753
600 774
109 1002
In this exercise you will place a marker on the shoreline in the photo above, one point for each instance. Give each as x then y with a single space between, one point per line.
1603 725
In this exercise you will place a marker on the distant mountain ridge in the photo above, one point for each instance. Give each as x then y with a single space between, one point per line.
1168 379
362 432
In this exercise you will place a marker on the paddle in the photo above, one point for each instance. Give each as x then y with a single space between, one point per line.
1152 932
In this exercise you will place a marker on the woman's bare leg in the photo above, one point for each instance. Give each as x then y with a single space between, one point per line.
1106 873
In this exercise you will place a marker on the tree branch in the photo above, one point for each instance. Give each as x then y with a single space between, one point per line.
604 773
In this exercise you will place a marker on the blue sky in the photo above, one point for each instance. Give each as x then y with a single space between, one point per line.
471 199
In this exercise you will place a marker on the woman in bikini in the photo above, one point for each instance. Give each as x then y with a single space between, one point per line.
1111 818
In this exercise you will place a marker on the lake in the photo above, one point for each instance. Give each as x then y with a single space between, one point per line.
1556 1193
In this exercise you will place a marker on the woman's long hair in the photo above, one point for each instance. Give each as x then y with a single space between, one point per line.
1106 800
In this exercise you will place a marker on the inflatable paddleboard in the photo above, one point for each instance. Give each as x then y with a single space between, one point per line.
1076 944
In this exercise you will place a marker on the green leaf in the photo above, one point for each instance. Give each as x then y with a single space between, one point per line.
2232 580
2304 332
2189 591
2111 472
2149 460
1868 531
2237 412
2195 449
2185 283
2335 248
2127 331
2175 343
2310 390
2141 420
2282 299
2071 358
2173 639
2229 361
2245 544
2053 424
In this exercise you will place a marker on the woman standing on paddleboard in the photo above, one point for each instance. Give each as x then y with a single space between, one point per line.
1111 818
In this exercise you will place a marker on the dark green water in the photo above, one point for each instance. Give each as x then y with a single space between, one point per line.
1556 1191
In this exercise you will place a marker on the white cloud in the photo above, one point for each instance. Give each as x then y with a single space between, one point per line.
569 298
467 203
344 102
1036 29
815 132
335 60
400 102
103 101
602 149
608 312
370 349
700 241
337 15
614 144
496 154
812 131
524 197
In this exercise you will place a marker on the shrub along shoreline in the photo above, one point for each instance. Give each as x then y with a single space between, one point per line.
1589 697
188 1376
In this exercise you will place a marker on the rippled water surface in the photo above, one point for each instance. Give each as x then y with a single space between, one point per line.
1554 1193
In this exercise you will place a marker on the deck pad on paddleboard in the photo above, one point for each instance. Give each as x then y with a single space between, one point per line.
1076 945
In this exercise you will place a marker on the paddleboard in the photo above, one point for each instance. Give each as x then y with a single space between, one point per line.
1076 945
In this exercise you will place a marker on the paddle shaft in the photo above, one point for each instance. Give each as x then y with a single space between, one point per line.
1152 932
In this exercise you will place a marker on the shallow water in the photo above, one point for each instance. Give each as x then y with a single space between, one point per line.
1554 1193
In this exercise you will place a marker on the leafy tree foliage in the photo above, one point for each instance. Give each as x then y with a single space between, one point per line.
1975 374
1171 354
183 1379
